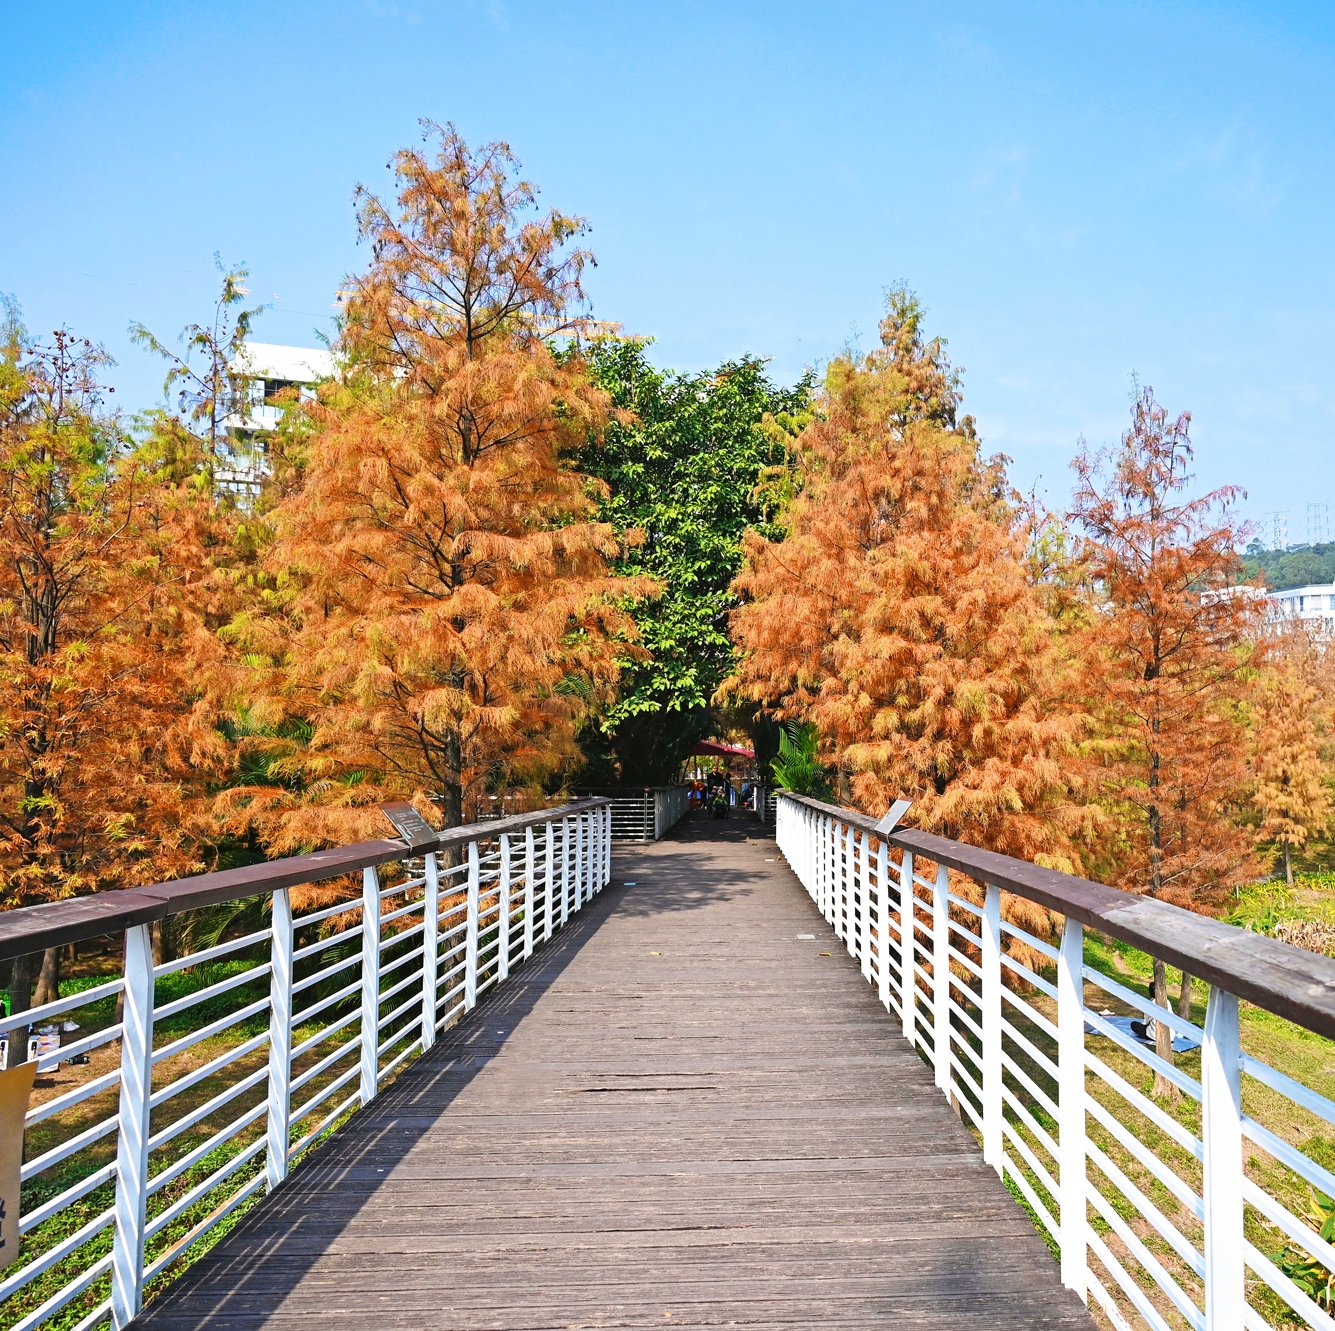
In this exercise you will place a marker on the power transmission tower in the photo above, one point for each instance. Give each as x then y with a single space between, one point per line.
1278 523
1318 523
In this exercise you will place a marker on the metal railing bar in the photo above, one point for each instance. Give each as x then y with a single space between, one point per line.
414 1002
309 1140
303 1017
965 904
393 915
213 1028
1178 1025
99 1314
1168 1231
1124 1281
389 1044
1286 1289
1030 939
1042 1060
189 1079
1142 1104
1146 1056
454 1011
1032 1197
35 1016
71 1146
208 1223
40 1214
1041 1134
352 904
965 1076
408 886
71 1098
24 1275
972 967
1106 1302
1030 1013
325 1092
412 1049
219 1175
1310 1100
212 953
416 954
193 1157
1157 1166
1028 976
328 1060
1302 1165
63 1296
1281 1217
211 991
1151 1264
324 944
1019 1144
90 1042
1020 1075
210 1107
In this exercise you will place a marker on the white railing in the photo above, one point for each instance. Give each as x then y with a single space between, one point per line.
274 1038
1168 1211
644 814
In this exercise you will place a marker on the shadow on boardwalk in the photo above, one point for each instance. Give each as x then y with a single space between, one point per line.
688 1109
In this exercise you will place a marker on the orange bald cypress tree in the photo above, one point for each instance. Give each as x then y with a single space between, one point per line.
443 616
103 574
1166 660
898 616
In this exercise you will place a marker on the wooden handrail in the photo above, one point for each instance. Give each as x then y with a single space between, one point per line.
1280 977
29 929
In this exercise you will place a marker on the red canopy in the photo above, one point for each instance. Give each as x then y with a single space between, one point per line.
711 748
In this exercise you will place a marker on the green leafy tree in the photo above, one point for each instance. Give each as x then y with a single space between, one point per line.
682 462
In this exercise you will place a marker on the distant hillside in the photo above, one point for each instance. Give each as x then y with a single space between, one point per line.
1296 567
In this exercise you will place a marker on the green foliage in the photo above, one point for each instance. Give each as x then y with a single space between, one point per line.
798 767
1283 569
1315 1280
684 471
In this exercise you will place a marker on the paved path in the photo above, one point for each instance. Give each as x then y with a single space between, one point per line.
677 1114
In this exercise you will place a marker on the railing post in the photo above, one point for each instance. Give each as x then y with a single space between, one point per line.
864 892
370 1060
883 924
530 859
430 950
1071 1105
607 844
127 1259
583 861
1221 1131
503 924
470 931
280 1039
941 977
565 869
908 985
843 864
548 924
991 1024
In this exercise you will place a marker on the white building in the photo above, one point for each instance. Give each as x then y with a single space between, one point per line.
268 369
1313 605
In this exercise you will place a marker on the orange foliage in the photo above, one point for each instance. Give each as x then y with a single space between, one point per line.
897 614
104 588
1165 661
442 617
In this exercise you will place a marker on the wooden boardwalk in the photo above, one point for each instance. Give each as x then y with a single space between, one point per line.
678 1113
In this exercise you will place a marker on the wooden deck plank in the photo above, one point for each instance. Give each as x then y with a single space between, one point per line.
678 1114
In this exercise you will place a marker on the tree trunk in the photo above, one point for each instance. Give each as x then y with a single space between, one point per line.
20 985
48 982
1288 866
155 932
1163 1036
1184 998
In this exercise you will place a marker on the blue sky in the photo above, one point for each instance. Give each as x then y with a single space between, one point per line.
1077 192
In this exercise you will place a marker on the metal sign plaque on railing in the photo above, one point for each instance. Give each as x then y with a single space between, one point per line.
1170 1211
236 1059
